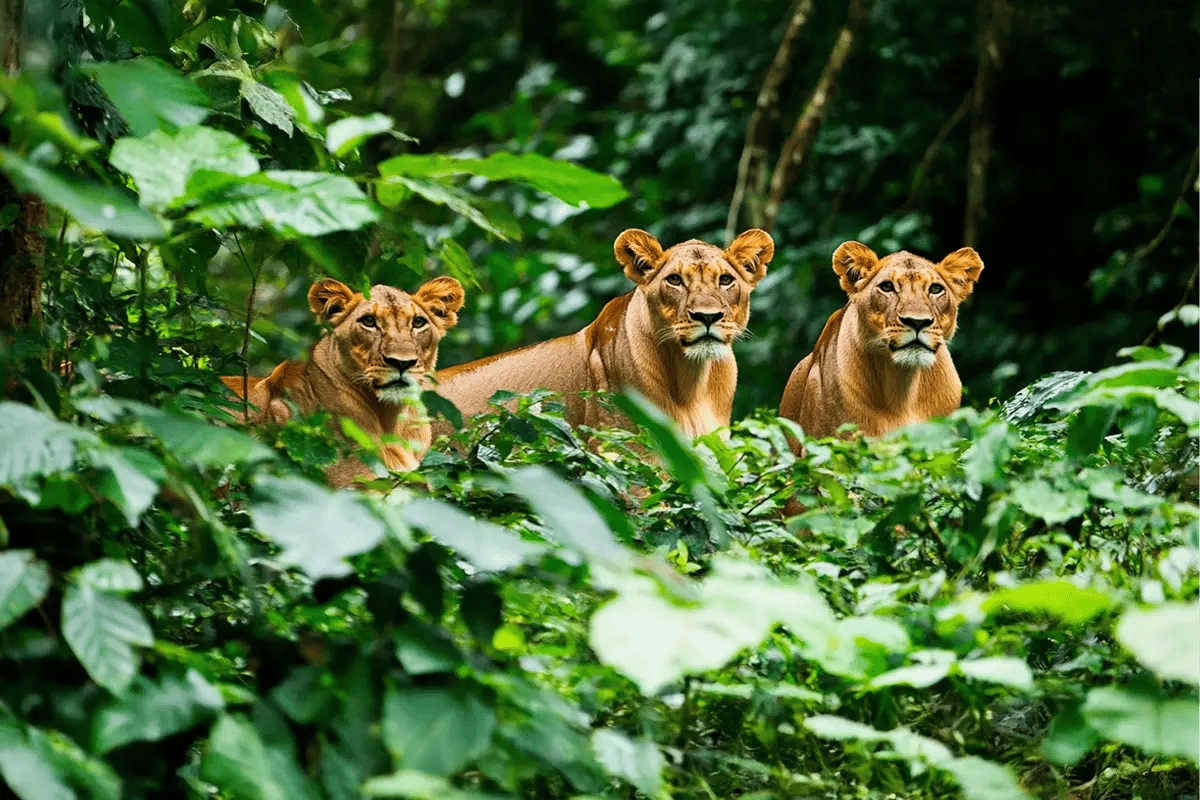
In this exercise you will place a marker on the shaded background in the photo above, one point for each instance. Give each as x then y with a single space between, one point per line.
1088 228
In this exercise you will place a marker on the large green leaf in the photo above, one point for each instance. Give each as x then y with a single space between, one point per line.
566 181
345 135
316 527
1056 505
103 208
130 479
415 785
654 641
1005 671
150 94
27 772
24 581
33 443
100 630
110 575
436 730
1169 727
151 710
191 440
393 190
238 762
486 545
1166 639
638 761
292 204
1060 598
162 163
567 513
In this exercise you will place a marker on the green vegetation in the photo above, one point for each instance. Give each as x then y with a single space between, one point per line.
996 605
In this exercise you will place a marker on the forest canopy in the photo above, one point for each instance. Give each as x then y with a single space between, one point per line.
999 604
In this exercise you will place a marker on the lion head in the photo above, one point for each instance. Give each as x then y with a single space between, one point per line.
698 294
906 305
387 343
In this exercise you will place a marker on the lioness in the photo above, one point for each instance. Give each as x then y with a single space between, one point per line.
669 338
378 354
881 361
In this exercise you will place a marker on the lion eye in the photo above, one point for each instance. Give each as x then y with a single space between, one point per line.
936 288
674 279
368 320
725 280
420 322
887 286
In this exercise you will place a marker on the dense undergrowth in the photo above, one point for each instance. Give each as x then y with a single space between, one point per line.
995 605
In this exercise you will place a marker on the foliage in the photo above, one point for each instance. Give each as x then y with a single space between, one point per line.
1000 604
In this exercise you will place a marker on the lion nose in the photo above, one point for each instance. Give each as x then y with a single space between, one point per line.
917 323
707 318
401 365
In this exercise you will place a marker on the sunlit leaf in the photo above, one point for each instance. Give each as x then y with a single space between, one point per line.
1012 672
102 208
110 575
345 135
269 105
24 581
1165 639
292 204
150 94
415 785
162 163
316 527
1040 498
920 676
638 761
1069 737
1169 727
436 730
130 479
393 190
985 780
1059 598
238 762
101 630
566 512
566 181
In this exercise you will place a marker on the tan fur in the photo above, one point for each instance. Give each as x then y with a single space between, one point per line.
860 370
379 351
669 338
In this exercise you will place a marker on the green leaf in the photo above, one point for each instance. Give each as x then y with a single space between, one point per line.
303 697
436 730
152 711
1165 639
238 762
566 181
1059 598
195 442
100 628
1040 498
488 546
161 164
292 204
1088 429
150 94
1012 672
1153 724
26 772
425 649
24 582
638 761
567 513
316 527
345 135
1069 737
457 263
130 479
419 786
33 443
102 208
985 780
109 575
920 676
269 105
391 191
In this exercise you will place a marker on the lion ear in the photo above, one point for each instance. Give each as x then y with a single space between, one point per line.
639 253
329 299
853 262
443 297
751 252
962 268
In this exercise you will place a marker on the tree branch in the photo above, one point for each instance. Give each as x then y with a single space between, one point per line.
796 148
994 18
934 148
766 110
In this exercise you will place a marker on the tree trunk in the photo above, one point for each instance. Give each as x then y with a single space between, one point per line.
805 132
22 248
994 19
